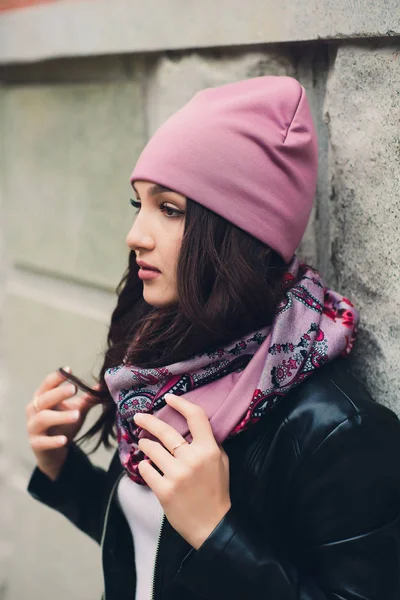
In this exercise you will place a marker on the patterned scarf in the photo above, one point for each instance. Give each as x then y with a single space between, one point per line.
241 382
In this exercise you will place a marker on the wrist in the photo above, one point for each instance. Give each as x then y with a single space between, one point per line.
198 539
53 469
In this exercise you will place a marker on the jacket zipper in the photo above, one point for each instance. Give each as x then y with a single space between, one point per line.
155 560
103 535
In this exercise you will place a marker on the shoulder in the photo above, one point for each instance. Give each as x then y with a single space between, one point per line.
331 403
346 483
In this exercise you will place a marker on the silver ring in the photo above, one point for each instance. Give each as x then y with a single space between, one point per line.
35 404
177 446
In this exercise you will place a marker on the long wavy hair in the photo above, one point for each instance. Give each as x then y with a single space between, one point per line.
229 284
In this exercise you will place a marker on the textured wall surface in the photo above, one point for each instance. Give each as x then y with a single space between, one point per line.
67 191
362 109
68 149
87 28
70 131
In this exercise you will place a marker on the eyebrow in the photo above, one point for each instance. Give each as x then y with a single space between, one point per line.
155 189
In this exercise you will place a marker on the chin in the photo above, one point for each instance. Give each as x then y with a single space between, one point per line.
158 300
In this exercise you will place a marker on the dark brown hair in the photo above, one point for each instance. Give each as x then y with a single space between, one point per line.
229 284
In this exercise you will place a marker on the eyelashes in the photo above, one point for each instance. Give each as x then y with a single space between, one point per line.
169 211
135 204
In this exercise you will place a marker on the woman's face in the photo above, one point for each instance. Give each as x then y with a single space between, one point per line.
156 237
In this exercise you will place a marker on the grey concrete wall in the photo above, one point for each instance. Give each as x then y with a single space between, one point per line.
70 131
68 149
362 109
86 28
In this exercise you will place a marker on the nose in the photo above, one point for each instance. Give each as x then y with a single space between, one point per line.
138 238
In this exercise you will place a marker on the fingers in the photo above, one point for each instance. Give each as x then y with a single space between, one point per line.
54 416
45 442
51 394
196 417
69 404
161 430
51 398
160 456
43 420
51 381
83 404
89 401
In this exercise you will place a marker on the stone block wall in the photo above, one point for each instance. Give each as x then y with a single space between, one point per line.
69 142
71 129
362 110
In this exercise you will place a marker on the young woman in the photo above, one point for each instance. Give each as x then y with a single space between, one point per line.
250 463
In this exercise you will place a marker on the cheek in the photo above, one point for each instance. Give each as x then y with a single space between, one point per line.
172 254
177 253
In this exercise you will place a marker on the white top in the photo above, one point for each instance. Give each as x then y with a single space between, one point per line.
144 513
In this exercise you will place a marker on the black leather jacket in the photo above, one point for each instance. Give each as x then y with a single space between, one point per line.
315 491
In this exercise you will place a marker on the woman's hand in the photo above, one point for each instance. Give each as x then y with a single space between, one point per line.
53 421
194 491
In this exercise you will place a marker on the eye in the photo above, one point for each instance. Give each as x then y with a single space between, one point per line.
170 211
136 204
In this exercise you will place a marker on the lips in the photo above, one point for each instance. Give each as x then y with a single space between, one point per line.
146 267
147 271
147 274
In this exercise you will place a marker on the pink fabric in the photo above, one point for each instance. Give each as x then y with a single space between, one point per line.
225 401
239 383
247 151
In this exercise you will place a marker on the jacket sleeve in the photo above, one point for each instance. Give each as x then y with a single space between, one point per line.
78 492
343 522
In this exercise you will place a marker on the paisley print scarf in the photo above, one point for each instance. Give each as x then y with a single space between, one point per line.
241 382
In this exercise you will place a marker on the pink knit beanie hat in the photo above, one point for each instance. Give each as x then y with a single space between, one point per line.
245 150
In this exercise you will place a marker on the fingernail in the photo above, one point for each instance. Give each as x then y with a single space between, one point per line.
75 414
71 389
68 369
